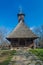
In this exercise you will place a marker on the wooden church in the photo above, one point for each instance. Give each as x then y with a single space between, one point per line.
21 36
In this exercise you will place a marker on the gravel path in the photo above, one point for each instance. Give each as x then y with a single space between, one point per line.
24 58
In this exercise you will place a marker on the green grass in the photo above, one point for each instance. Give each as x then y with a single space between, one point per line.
38 53
6 62
7 53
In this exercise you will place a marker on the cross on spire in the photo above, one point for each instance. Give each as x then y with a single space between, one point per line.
20 9
21 15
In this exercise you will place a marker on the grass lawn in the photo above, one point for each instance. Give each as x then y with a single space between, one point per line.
5 56
38 53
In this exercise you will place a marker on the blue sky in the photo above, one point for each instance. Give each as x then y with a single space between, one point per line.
33 10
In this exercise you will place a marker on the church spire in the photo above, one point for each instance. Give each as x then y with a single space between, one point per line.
21 15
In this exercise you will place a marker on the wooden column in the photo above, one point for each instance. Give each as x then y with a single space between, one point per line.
18 42
11 46
34 44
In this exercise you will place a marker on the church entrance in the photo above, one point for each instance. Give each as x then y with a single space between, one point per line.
22 43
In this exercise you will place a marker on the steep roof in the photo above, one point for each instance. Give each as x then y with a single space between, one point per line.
21 31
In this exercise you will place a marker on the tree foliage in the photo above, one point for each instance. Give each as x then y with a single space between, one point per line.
39 32
3 34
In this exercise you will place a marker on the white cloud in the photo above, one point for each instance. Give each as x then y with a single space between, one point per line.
32 28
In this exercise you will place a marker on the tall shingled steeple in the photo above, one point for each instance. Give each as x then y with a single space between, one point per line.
20 15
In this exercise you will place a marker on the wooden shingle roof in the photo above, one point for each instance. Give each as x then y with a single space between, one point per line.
21 31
